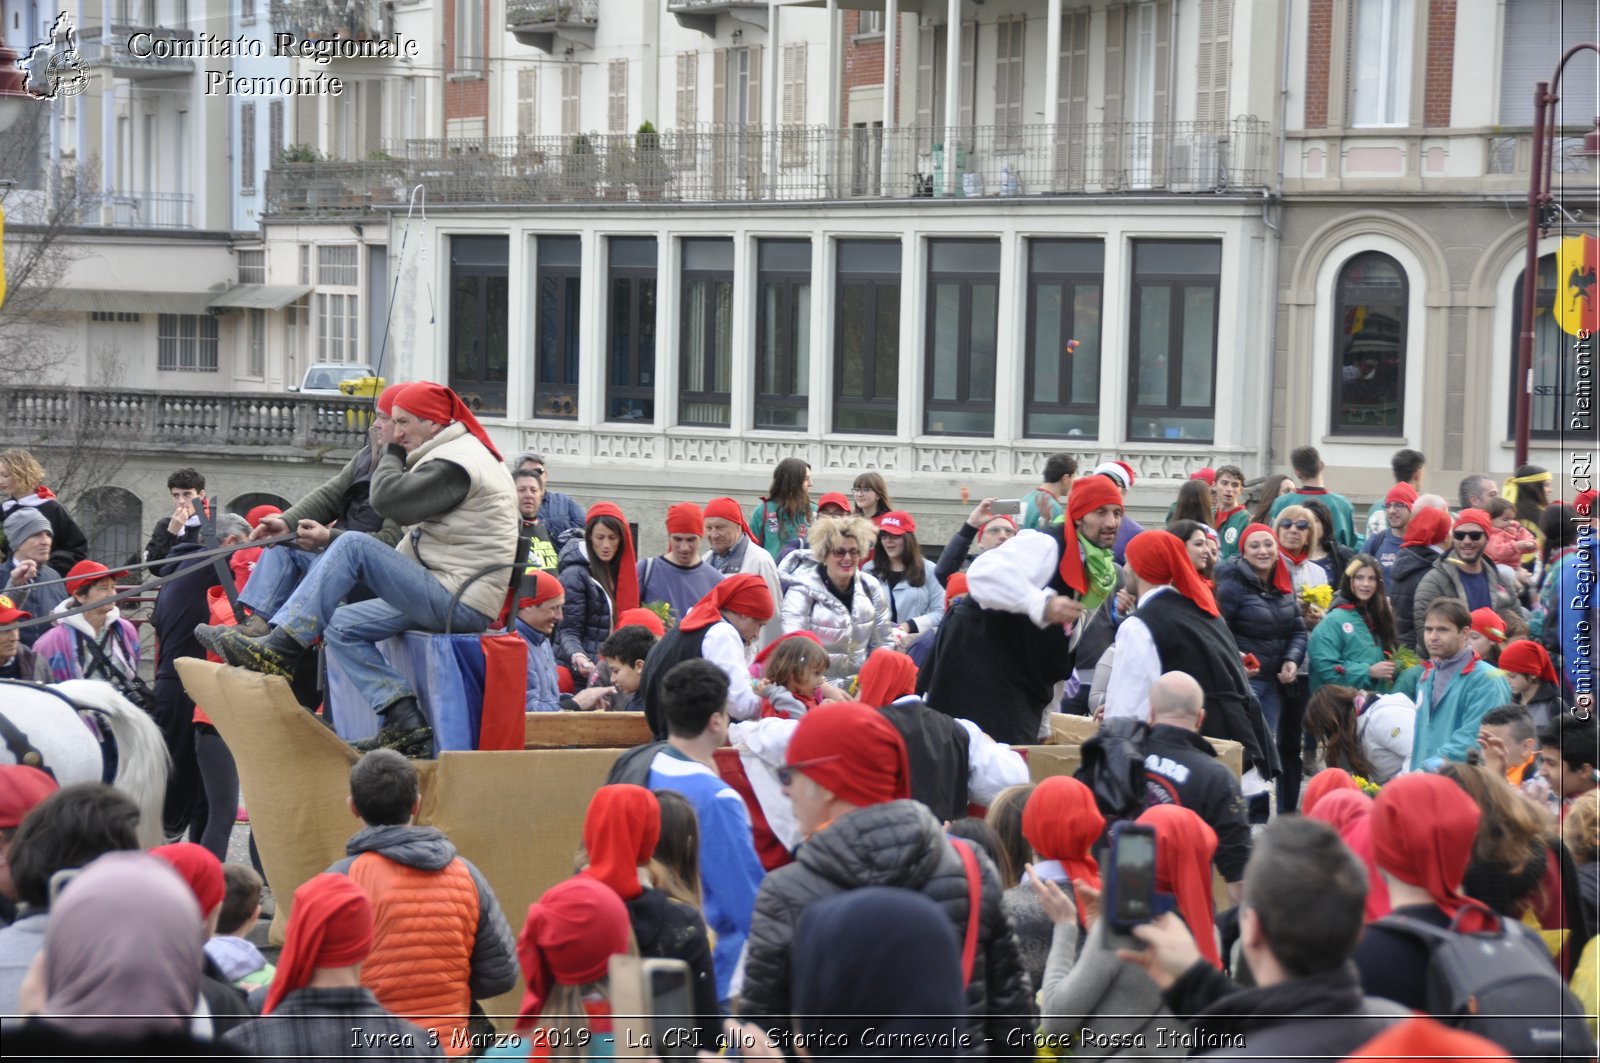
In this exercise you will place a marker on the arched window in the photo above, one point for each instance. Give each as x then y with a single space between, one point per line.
1553 412
246 502
1369 347
113 520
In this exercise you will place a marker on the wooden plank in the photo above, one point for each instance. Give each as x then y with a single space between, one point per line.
586 730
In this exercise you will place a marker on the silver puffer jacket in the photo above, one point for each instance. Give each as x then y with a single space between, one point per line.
847 634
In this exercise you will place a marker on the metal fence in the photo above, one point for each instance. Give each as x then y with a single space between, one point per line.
538 12
723 164
142 210
41 415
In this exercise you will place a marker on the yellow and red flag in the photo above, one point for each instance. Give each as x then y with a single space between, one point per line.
1577 296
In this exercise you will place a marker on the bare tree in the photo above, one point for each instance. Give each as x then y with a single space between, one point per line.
44 204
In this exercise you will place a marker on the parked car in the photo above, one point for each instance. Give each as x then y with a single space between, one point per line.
324 378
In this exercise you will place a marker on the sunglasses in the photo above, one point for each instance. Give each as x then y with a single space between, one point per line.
1467 536
787 773
1301 524
844 553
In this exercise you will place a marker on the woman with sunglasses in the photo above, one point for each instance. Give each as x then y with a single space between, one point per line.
1296 530
1353 646
844 607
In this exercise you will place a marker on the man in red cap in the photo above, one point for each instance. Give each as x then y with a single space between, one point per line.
339 506
16 660
679 577
442 479
316 998
540 599
1464 572
1177 628
1028 607
730 539
1385 545
721 628
21 787
849 780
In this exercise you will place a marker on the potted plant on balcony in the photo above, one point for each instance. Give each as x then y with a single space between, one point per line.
649 164
619 166
580 169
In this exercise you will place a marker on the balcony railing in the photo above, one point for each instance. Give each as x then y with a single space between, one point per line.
70 416
721 164
142 210
125 63
356 20
520 13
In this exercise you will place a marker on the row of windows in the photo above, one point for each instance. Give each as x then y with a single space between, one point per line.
1170 361
1171 368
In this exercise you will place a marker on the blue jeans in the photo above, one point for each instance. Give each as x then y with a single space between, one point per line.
409 598
278 572
1269 693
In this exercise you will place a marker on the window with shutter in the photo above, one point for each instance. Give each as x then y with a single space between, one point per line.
967 87
617 102
305 122
1537 32
247 147
1008 82
1072 105
374 118
794 104
688 81
274 131
929 98
571 84
527 103
751 148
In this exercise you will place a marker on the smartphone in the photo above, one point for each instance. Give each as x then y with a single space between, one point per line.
1130 884
652 1003
1006 507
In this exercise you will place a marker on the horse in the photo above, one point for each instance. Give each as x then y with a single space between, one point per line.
82 730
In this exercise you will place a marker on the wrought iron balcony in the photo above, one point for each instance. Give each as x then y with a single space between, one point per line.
334 189
540 23
355 20
126 62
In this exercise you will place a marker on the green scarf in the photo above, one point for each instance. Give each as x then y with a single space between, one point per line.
1102 573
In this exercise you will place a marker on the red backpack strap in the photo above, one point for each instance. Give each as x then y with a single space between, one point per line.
969 946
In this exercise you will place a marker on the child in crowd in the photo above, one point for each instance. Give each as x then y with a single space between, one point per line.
795 668
1508 539
622 657
229 948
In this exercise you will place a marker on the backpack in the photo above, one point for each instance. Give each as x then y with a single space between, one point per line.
1113 767
1500 984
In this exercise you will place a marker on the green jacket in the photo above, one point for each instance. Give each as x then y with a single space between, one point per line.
1341 650
327 502
1447 724
1231 530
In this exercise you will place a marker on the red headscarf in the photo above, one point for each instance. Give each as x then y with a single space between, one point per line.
1423 827
1527 657
570 936
627 564
620 832
200 868
955 587
1062 822
1350 813
1401 493
331 927
1184 847
1487 622
1428 527
887 676
685 518
1474 516
852 750
1086 496
437 403
261 513
386 399
727 509
21 788
644 618
1420 1037
1280 569
1158 556
1325 783
1207 475
538 587
766 651
745 593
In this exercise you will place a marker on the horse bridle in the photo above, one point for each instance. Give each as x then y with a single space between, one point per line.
23 751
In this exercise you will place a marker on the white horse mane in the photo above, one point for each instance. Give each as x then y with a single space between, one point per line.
142 758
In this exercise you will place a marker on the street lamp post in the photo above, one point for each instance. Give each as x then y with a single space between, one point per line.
1541 210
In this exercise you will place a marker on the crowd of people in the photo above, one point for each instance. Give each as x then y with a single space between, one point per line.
1411 698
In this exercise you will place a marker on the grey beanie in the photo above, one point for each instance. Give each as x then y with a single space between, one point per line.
24 523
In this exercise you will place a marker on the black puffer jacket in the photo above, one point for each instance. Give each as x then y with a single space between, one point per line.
1410 565
1264 620
586 618
894 844
669 929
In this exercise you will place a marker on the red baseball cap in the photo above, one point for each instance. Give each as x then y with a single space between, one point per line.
897 522
9 613
834 498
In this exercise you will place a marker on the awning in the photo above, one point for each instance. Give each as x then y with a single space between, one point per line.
262 296
122 301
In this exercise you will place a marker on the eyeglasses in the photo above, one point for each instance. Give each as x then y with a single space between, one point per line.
787 773
862 491
1395 505
1301 524
1466 536
843 554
